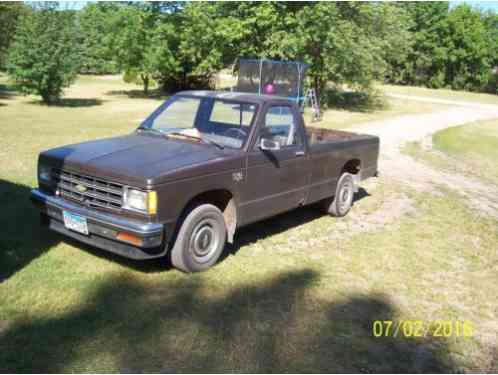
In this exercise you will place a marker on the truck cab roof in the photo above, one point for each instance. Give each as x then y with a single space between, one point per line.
238 96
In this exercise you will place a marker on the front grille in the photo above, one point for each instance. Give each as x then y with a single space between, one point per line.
88 190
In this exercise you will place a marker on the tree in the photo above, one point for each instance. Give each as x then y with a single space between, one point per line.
44 57
426 62
471 49
395 37
174 46
491 23
96 38
133 29
205 42
162 56
9 16
343 42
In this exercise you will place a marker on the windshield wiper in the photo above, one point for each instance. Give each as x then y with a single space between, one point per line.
205 140
143 128
210 141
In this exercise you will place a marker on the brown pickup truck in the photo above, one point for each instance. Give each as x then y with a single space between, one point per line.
199 167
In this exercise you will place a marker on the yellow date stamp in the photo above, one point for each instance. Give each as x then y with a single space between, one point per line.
422 328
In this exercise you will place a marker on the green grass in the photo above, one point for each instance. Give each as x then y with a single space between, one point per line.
470 149
343 118
294 294
91 109
441 94
476 142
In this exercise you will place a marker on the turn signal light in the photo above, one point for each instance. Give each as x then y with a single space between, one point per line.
130 238
152 202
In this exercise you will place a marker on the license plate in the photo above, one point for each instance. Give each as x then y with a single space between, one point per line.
75 222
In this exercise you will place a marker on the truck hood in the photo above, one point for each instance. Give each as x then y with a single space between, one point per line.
140 160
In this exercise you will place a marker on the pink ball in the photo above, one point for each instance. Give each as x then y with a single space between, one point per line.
269 89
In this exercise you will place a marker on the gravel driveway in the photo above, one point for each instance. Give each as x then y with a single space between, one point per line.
403 169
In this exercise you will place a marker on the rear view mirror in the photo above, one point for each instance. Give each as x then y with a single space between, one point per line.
269 145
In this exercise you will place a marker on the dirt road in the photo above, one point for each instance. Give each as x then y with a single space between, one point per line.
403 169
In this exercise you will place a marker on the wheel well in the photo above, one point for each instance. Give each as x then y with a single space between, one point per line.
353 166
223 199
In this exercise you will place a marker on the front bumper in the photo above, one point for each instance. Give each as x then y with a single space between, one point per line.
103 228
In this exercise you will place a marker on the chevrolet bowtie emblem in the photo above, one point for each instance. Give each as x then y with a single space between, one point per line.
81 188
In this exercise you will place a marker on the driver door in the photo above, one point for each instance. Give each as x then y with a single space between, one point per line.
276 180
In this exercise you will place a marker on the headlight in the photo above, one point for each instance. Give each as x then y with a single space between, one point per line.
44 173
144 201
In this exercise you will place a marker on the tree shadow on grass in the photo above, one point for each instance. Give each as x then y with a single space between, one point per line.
140 94
22 237
155 265
270 325
6 92
355 101
281 223
71 102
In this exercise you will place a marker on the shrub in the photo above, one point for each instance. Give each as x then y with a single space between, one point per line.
44 56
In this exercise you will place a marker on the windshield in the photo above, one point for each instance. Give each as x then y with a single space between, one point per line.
218 121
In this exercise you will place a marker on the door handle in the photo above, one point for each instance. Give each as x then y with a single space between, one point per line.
299 153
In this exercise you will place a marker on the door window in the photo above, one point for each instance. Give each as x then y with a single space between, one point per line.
235 114
280 126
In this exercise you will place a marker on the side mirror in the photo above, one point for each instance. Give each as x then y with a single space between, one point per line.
269 145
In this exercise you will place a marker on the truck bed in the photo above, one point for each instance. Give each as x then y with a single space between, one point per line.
333 150
321 135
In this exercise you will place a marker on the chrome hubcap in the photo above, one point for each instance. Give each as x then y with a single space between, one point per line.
345 196
204 240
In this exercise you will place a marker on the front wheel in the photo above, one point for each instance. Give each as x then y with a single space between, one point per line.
201 239
340 204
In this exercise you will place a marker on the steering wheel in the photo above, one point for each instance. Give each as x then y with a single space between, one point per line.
238 131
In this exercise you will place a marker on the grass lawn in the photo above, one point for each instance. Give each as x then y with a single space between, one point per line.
441 94
470 149
343 118
294 294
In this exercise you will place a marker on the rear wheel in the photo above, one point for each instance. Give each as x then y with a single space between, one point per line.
340 204
201 239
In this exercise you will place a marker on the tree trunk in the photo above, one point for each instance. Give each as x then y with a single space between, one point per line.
319 86
47 97
145 80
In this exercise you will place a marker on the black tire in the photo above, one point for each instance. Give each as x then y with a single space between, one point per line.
340 204
200 240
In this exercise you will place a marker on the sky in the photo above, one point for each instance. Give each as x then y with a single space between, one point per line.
75 5
488 5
